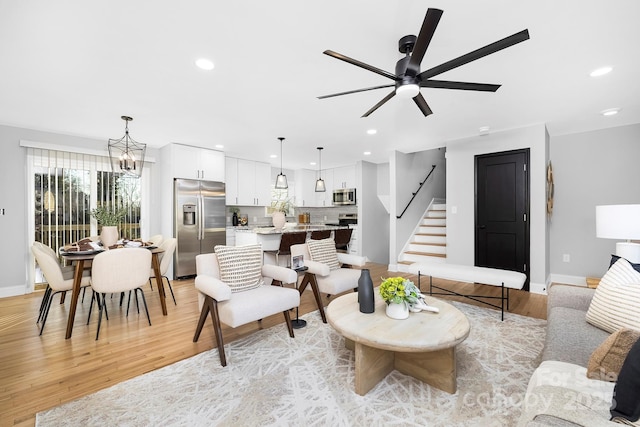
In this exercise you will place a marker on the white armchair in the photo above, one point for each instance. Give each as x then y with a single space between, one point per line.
242 306
323 279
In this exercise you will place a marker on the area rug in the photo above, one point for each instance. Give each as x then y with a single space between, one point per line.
273 380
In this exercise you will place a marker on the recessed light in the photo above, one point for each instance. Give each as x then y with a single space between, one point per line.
601 71
610 111
367 153
204 64
219 146
312 163
372 131
484 130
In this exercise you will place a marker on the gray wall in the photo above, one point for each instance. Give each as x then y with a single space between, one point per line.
590 169
373 219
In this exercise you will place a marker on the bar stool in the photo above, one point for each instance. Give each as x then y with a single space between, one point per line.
286 241
320 234
342 236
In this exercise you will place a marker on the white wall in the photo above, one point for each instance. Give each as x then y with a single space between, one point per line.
407 172
461 186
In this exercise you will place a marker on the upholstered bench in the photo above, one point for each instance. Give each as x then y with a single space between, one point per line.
505 279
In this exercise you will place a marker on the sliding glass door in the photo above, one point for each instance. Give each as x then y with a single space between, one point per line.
66 186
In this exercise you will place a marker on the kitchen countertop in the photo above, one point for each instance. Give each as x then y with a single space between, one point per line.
288 229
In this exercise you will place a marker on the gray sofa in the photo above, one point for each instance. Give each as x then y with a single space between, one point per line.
559 392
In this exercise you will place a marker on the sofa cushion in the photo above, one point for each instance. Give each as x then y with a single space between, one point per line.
562 390
615 258
569 337
616 302
240 266
324 251
626 394
607 359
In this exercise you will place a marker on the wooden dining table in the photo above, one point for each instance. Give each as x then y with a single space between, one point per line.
79 259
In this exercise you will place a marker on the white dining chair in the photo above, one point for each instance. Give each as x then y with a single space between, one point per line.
56 280
169 246
156 239
118 271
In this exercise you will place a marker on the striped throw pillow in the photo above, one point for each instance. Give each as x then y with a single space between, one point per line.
324 251
616 301
240 266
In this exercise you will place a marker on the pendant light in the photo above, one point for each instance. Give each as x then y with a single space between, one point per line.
125 154
281 180
320 187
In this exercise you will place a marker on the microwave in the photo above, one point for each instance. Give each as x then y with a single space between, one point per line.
344 196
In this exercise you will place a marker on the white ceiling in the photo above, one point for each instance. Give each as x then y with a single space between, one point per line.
76 66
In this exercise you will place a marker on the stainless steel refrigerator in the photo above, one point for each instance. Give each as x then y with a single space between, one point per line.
199 221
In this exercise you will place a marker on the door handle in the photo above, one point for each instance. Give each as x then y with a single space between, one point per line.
482 227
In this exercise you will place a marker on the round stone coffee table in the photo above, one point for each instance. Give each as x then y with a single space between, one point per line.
422 346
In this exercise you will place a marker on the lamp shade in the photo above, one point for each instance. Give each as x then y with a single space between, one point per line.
281 181
618 222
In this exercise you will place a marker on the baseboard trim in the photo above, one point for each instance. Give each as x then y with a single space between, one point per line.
569 280
12 291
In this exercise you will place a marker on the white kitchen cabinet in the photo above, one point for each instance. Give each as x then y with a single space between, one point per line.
248 182
231 236
305 191
344 177
197 163
354 244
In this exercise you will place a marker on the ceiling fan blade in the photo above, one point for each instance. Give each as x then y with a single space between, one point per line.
429 25
476 54
355 91
360 64
379 104
422 104
443 84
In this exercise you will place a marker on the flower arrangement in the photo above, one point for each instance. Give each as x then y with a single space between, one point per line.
399 290
108 217
283 205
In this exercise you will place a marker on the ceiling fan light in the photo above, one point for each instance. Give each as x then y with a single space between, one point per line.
408 91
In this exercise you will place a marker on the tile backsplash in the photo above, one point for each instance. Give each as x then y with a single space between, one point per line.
257 214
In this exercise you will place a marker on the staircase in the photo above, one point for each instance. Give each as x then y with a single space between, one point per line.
429 241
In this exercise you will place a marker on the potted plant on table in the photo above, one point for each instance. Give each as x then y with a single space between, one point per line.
109 219
399 293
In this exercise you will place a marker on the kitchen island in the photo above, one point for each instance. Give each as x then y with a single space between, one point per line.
269 237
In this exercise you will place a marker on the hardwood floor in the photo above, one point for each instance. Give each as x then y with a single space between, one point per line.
40 372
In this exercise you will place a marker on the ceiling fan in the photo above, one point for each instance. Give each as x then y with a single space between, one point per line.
408 79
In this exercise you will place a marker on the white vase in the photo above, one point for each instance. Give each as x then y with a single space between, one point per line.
278 219
398 311
109 235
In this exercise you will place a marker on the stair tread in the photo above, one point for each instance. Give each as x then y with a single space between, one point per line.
428 244
430 234
425 254
406 262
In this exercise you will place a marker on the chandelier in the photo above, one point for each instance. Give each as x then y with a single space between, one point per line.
125 154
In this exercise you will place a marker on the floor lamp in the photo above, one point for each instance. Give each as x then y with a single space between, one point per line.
620 222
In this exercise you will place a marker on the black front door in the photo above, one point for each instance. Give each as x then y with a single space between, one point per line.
502 211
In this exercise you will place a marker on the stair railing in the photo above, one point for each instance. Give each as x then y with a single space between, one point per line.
413 196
